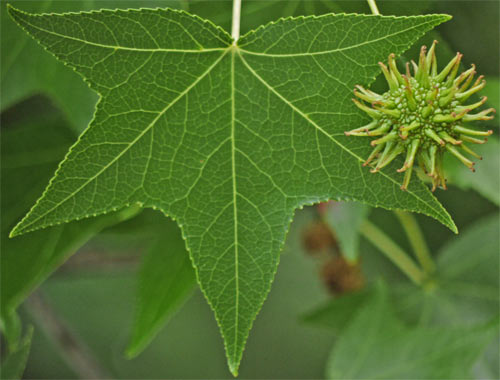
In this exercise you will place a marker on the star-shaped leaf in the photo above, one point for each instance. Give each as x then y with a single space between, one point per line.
228 139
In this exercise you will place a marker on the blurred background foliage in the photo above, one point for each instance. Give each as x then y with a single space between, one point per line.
338 307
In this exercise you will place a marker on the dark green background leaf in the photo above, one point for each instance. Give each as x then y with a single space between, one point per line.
32 145
166 280
377 345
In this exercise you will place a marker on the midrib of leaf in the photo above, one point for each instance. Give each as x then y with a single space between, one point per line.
315 125
15 231
235 213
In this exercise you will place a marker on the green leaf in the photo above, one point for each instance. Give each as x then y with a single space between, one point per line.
391 350
34 139
346 219
15 362
467 289
166 280
227 139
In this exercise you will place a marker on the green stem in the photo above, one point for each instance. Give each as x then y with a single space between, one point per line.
393 252
417 240
235 28
373 7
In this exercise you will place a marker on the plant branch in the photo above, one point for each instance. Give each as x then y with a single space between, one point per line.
373 7
393 252
235 31
417 240
97 261
75 352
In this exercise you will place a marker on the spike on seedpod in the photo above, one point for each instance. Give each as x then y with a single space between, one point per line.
442 75
471 132
426 111
461 157
394 69
469 74
412 126
446 99
446 137
415 68
434 136
368 92
410 155
380 130
472 139
454 71
431 61
470 151
373 154
424 115
423 69
432 160
463 96
408 73
366 97
386 138
364 129
389 154
424 161
370 111
470 107
391 112
410 98
483 115
393 85
432 95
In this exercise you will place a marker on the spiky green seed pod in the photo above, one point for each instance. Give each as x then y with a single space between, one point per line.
423 115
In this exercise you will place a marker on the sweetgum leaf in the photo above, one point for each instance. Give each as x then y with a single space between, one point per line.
227 139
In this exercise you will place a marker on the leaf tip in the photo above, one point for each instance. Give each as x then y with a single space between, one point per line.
15 232
447 17
233 368
11 9
131 352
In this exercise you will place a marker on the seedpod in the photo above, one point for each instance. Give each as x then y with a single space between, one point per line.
430 119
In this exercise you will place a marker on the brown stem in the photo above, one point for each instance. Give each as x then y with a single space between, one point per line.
75 352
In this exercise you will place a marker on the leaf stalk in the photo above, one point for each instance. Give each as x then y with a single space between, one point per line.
235 29
417 240
392 251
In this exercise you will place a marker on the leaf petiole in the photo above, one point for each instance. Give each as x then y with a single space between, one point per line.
393 252
235 29
417 240
373 7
